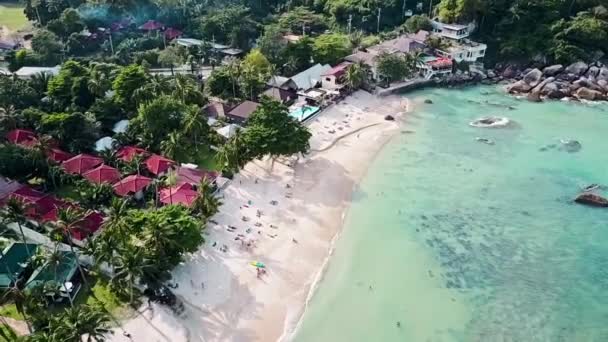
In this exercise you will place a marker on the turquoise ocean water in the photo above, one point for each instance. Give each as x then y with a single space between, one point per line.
458 240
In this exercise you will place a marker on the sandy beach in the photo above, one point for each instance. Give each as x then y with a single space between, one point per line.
286 217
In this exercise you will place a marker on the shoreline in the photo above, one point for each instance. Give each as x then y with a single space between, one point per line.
224 299
289 335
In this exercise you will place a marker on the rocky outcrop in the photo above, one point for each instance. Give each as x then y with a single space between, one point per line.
509 72
578 68
576 81
585 93
490 122
553 70
591 200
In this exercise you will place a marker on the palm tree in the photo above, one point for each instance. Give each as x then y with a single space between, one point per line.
81 323
18 296
55 259
98 83
130 266
195 125
206 203
172 146
355 76
109 157
15 211
69 219
8 118
39 82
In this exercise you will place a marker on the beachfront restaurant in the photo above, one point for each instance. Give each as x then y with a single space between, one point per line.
14 263
63 273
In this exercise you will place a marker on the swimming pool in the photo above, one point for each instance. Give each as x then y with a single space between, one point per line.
304 112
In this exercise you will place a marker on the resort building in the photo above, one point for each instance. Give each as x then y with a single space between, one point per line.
333 79
194 177
216 110
57 155
182 194
23 137
285 96
64 274
158 165
14 261
7 187
282 83
102 174
241 113
311 77
228 131
81 164
27 72
460 48
133 185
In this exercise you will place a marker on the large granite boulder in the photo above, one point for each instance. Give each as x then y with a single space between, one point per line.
553 70
603 74
585 93
552 90
491 73
535 93
592 72
519 87
533 77
509 72
577 68
587 83
567 77
603 84
591 199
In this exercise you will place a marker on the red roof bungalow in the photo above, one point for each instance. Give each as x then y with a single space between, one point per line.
172 33
127 153
84 228
181 194
158 164
37 203
102 174
81 163
332 79
194 176
131 185
22 137
151 25
58 155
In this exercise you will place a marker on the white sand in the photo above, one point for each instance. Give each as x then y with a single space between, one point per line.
235 305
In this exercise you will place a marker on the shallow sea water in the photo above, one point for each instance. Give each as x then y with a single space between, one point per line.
453 239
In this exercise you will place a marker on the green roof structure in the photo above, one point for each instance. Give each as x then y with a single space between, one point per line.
60 272
15 258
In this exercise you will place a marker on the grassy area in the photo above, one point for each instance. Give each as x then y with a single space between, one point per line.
68 192
100 292
206 159
10 310
11 15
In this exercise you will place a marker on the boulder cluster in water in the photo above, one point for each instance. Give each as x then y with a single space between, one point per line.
490 122
577 81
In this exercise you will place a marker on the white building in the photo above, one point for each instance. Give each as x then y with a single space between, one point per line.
28 72
461 48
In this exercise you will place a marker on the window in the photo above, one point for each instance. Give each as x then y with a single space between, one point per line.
482 52
328 79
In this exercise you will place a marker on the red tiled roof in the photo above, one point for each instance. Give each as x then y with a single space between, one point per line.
338 70
21 137
58 155
127 153
131 184
38 203
158 164
172 33
194 176
87 226
151 25
181 194
81 163
102 174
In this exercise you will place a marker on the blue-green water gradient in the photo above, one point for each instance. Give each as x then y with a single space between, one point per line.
452 239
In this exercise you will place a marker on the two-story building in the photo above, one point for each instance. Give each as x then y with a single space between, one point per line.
460 48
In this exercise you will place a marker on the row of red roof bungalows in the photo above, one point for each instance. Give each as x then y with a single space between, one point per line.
27 138
43 207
